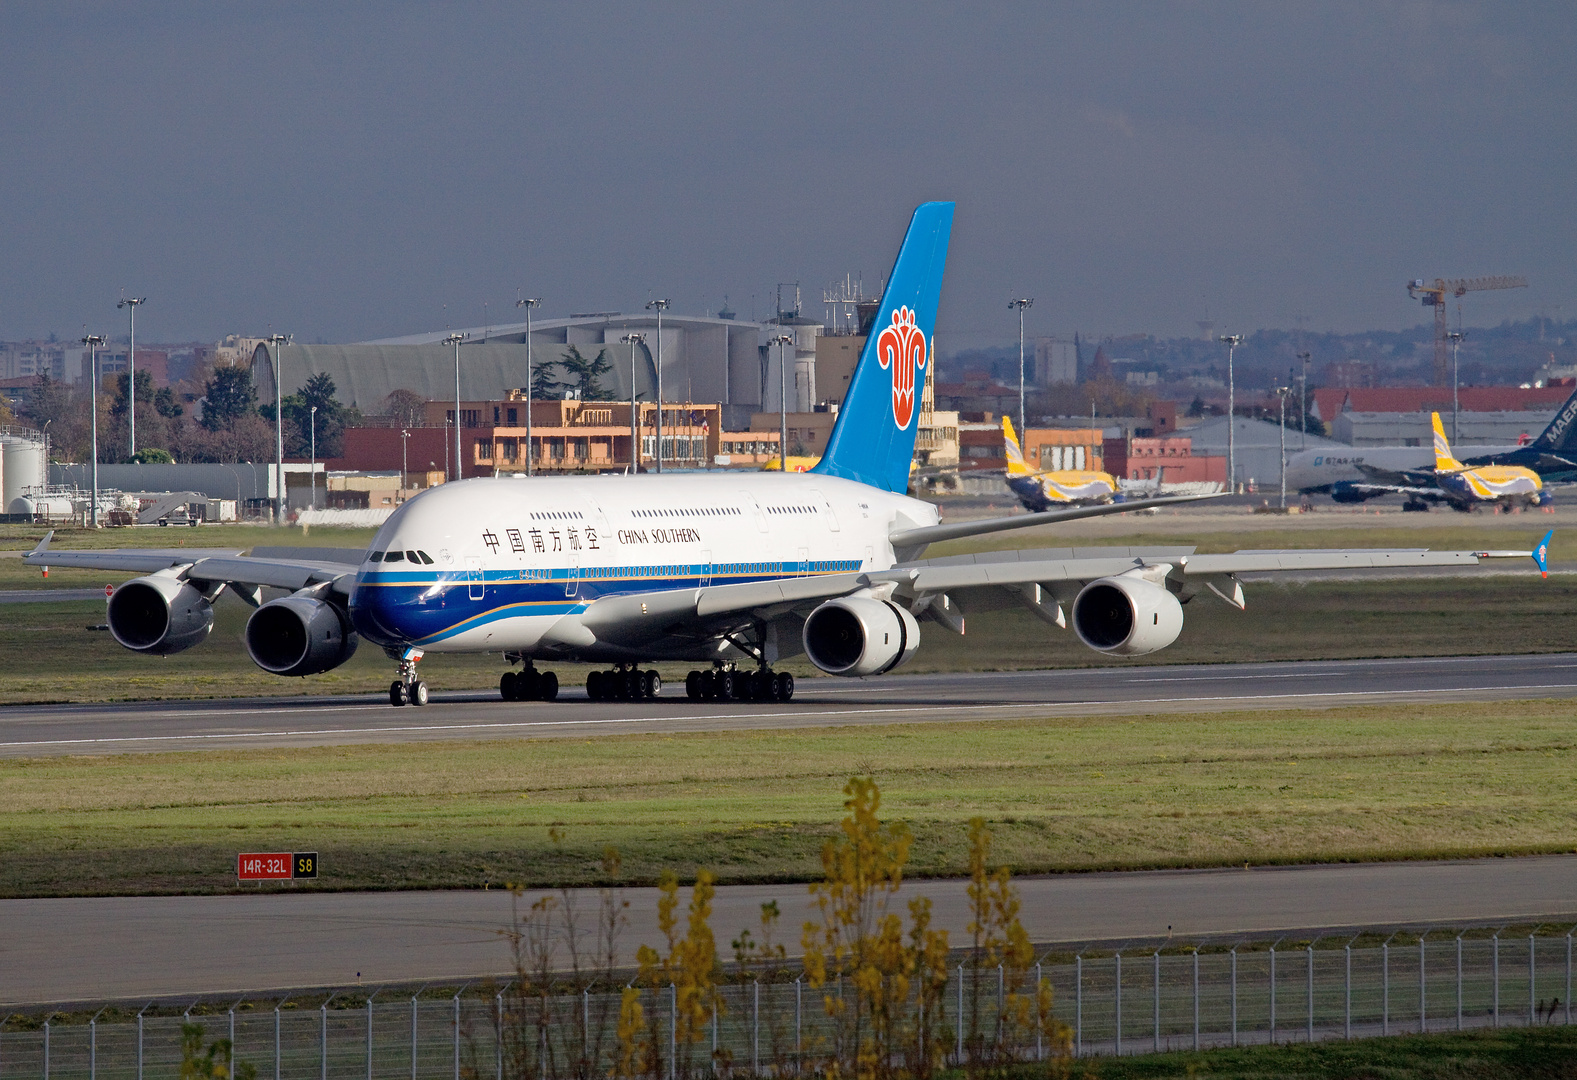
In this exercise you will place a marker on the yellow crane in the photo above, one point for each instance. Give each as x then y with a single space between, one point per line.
1434 295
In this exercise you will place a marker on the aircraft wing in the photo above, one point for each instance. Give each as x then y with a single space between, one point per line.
1369 491
1392 476
271 567
918 538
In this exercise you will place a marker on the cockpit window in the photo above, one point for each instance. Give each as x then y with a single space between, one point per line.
413 557
394 556
374 556
426 558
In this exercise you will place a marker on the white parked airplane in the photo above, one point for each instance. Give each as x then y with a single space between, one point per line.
729 570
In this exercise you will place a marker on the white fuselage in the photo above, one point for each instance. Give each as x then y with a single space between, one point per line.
511 557
1311 470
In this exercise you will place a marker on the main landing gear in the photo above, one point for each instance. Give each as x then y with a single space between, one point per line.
408 689
528 684
725 683
626 682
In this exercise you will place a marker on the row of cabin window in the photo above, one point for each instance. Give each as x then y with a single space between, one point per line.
400 556
558 515
791 509
702 511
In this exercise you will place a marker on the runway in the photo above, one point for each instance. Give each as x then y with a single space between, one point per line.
61 950
37 730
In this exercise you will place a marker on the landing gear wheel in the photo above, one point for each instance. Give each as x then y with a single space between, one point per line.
418 693
783 686
509 686
651 684
396 693
692 686
594 685
547 686
727 687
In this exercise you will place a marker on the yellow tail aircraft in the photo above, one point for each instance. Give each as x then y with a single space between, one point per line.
1039 490
1463 487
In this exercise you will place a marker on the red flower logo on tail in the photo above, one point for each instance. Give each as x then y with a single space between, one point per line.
901 347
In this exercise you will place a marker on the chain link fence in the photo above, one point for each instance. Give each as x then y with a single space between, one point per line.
1126 1002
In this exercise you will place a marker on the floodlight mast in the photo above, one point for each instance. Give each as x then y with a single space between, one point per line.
93 341
312 474
1282 392
528 303
130 303
782 341
455 340
1231 341
1455 337
660 306
278 340
1023 425
633 340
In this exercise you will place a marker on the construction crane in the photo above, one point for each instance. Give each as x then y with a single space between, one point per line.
1434 295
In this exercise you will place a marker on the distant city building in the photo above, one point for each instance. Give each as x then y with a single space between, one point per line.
1056 362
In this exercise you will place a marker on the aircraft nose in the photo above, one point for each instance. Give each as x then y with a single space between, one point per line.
375 612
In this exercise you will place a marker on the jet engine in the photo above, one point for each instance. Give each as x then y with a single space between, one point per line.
1126 616
159 614
859 635
299 635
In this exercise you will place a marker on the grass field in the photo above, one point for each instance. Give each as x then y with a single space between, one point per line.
1548 1053
1074 794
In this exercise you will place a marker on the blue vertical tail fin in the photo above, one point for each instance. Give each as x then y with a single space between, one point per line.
873 440
1561 432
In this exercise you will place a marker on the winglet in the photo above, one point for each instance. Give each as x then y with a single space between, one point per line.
1541 554
43 545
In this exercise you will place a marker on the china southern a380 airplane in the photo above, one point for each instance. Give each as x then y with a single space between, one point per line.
731 571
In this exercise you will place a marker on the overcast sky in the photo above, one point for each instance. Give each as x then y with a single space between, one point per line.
344 171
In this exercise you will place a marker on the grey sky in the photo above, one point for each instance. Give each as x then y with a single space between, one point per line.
343 171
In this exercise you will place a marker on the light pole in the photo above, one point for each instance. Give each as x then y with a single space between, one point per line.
1456 337
459 467
130 303
1231 341
528 303
633 340
782 341
312 474
1023 427
1303 402
661 306
93 341
278 340
405 437
1282 392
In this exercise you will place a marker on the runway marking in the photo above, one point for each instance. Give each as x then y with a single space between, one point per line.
892 711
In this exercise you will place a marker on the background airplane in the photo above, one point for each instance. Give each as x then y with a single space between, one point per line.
1044 489
1553 455
732 571
1460 486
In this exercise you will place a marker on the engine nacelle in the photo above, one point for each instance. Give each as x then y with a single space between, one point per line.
298 635
159 614
859 635
1126 616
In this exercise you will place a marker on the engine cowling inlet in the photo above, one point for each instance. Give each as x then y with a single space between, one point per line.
159 615
860 635
299 635
1126 616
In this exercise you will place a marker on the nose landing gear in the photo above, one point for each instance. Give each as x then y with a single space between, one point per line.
407 688
528 684
626 682
725 683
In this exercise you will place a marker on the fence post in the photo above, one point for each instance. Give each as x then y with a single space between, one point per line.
673 1032
276 1043
1385 988
498 1028
1533 984
960 1014
585 1029
457 994
755 1034
139 1040
369 1041
323 1038
1495 973
413 1035
1196 997
1347 996
1423 999
1311 992
1568 978
1459 982
46 1048
799 989
1078 1006
1040 1045
93 1047
1273 995
1001 1031
230 1057
1157 1008
1117 991
1234 995
714 1039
